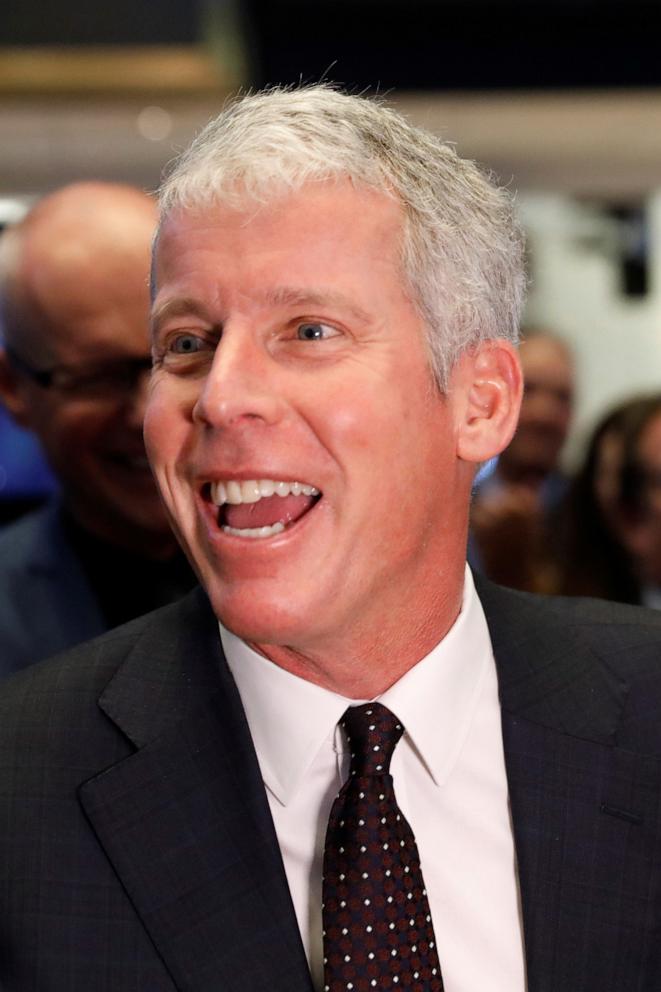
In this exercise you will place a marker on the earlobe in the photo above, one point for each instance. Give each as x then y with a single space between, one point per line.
490 383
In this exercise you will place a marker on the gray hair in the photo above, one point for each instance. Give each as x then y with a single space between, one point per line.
462 249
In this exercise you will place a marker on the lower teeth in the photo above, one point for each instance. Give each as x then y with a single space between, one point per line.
254 531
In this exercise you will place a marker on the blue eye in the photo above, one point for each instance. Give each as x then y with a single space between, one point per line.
187 344
314 332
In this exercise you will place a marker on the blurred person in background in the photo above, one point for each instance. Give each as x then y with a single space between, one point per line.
514 509
26 480
612 544
73 369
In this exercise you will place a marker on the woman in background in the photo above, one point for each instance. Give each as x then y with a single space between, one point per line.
612 525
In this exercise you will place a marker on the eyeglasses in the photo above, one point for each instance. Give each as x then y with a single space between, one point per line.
105 379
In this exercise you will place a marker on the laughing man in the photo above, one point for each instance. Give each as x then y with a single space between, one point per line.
335 313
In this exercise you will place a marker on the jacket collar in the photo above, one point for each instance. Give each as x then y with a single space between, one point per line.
185 820
548 673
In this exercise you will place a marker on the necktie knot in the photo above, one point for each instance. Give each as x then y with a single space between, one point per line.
372 734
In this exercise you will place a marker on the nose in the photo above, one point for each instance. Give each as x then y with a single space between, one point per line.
546 405
242 384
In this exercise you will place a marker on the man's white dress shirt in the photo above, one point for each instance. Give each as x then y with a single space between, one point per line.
449 779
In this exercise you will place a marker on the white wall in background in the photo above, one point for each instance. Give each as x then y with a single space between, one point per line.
575 291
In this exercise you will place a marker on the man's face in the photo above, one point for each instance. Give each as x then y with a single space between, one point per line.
287 350
546 407
93 435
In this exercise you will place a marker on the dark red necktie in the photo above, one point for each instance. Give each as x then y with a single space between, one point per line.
378 931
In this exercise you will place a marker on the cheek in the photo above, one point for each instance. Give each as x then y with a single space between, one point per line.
364 417
151 432
73 432
391 450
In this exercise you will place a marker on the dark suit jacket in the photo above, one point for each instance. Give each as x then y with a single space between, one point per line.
137 851
46 603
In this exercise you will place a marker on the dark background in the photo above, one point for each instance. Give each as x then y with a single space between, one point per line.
457 44
407 44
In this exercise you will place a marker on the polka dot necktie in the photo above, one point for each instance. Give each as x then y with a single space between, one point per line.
378 931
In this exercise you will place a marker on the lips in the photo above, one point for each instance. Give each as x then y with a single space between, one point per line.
261 508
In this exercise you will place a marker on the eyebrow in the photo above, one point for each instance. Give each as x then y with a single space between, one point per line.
282 296
287 296
178 307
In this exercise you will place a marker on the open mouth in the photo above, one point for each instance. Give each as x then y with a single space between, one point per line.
259 508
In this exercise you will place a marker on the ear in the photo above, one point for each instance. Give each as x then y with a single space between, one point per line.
12 395
486 389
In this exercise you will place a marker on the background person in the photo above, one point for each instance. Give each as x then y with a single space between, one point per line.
74 369
514 514
612 522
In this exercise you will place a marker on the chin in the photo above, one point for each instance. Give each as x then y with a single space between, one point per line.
261 619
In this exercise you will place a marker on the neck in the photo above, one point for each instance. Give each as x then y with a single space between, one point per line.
365 664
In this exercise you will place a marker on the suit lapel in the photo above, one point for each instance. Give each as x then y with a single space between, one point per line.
585 812
185 820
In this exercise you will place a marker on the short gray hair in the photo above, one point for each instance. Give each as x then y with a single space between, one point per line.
462 248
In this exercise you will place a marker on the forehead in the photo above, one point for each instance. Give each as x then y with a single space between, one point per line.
547 357
83 307
327 226
104 322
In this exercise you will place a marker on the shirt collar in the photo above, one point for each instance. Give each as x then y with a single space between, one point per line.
291 718
436 699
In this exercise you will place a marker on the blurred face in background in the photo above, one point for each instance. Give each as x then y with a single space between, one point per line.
608 468
83 294
641 528
545 411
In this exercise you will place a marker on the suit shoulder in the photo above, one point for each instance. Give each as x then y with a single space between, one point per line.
50 720
597 622
588 667
86 666
599 613
50 713
63 690
626 638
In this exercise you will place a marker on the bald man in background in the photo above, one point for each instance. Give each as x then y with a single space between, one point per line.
73 369
514 512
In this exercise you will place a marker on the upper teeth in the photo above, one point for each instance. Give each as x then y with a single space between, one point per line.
252 490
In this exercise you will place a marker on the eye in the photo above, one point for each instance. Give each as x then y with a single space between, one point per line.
187 344
313 331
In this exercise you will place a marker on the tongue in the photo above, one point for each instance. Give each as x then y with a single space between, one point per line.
266 511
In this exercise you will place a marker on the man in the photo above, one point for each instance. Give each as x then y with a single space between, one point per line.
533 456
73 369
514 513
336 297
